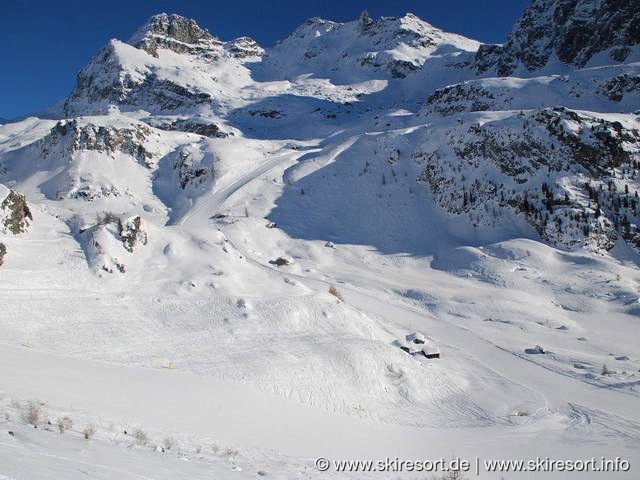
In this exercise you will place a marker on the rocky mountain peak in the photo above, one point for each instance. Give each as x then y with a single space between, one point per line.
172 32
312 27
244 48
406 25
125 74
574 31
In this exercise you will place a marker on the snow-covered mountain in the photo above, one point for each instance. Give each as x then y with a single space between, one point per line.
309 219
359 50
572 32
169 64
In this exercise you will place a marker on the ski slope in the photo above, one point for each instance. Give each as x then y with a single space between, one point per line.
545 403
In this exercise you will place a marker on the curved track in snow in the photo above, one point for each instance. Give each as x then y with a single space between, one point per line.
543 382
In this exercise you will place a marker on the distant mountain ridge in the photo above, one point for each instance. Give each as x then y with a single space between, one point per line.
398 45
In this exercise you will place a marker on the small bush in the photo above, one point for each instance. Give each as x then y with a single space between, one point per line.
64 424
280 262
231 452
32 414
334 291
168 443
141 437
89 431
108 219
451 475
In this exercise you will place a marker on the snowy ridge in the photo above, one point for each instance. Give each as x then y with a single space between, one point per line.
397 46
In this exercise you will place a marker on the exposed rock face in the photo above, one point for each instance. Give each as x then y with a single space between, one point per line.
176 33
133 74
106 81
618 87
199 127
131 233
599 145
193 169
105 139
15 213
571 175
244 48
109 243
165 94
460 98
103 79
99 138
572 30
3 252
85 158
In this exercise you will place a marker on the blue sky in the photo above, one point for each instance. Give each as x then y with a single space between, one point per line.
44 43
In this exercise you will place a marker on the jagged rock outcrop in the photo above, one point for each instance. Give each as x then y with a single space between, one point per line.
131 233
574 31
88 137
175 33
463 97
244 48
109 80
572 175
193 125
109 243
193 169
87 160
15 214
620 86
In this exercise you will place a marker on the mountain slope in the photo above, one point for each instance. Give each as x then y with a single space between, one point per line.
170 64
575 32
288 225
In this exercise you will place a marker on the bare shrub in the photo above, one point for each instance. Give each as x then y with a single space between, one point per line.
89 431
141 437
64 424
32 414
451 475
334 291
231 452
168 443
108 219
